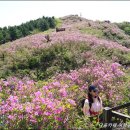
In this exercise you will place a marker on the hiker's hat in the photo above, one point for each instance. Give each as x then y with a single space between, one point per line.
94 88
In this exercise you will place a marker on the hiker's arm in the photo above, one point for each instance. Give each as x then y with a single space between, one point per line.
86 109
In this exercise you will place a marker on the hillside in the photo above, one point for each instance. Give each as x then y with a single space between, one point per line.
43 81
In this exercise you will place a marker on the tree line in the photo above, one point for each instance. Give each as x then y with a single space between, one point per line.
11 33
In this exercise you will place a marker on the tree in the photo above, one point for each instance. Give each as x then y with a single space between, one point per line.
30 25
1 37
52 22
43 25
6 34
13 34
24 30
19 33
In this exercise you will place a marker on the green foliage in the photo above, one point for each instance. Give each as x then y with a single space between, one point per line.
1 37
33 62
127 30
58 22
92 31
52 22
18 33
104 52
24 30
43 25
33 26
35 31
68 61
6 34
13 34
125 26
45 63
122 57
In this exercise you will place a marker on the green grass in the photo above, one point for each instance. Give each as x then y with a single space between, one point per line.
48 31
92 31
58 22
35 31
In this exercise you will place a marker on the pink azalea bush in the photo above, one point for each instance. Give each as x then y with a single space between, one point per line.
33 105
38 41
37 103
104 74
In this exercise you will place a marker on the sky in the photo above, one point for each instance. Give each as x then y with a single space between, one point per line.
18 12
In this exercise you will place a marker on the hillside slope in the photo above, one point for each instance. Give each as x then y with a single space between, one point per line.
25 54
41 82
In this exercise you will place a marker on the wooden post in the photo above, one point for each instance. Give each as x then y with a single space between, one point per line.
107 118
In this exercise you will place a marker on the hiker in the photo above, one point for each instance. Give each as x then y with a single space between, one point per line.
92 105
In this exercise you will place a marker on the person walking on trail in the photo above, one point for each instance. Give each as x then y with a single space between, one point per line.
92 105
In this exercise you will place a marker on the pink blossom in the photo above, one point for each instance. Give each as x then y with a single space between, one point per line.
47 113
57 84
33 120
72 102
63 92
38 94
0 88
11 117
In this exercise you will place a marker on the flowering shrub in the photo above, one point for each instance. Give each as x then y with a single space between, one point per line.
107 76
70 46
34 105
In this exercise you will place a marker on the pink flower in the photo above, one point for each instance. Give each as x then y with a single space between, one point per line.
58 110
114 66
33 120
36 113
28 109
45 87
84 87
6 83
11 117
30 82
38 94
13 99
0 88
110 93
47 113
58 118
63 92
72 102
21 117
50 105
100 86
57 84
